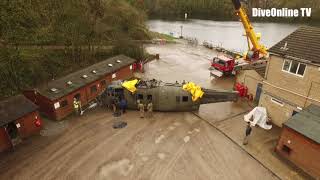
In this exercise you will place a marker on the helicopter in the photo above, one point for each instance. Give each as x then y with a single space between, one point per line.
165 97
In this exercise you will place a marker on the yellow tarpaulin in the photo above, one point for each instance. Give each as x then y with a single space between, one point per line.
195 90
131 85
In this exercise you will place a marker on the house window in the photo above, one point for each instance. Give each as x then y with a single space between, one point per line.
57 105
93 89
64 103
286 65
77 96
286 149
185 98
103 83
301 69
294 67
277 101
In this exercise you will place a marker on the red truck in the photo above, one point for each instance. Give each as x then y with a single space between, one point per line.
222 66
225 66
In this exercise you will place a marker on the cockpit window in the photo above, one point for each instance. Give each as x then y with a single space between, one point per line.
185 98
140 96
221 62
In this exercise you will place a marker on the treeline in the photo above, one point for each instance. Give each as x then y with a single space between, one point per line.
222 9
42 40
70 23
203 9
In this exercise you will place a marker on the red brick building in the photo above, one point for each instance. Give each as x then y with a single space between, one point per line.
19 119
56 99
300 140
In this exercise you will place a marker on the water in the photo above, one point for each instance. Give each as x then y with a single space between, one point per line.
228 34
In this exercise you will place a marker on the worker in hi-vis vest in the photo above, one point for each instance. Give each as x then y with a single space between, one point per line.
150 109
77 106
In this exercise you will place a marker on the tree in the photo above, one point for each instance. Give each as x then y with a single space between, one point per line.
80 27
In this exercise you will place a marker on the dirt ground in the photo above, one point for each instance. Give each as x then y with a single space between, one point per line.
167 146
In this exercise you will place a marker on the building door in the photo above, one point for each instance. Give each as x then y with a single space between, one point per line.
77 96
12 130
5 141
258 93
13 133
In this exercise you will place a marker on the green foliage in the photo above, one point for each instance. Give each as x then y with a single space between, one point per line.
9 77
221 9
46 39
167 37
72 23
204 9
129 49
124 22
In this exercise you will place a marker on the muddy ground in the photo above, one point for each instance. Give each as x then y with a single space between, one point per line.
167 146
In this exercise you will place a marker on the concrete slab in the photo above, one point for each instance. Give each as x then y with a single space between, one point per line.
261 146
196 61
91 149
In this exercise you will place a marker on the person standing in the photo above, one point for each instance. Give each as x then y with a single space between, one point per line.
110 102
77 106
141 109
248 132
123 105
115 106
150 109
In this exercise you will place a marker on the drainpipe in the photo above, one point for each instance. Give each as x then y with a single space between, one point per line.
309 91
308 98
267 69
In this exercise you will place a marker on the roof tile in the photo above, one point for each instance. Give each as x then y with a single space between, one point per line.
307 123
301 44
83 77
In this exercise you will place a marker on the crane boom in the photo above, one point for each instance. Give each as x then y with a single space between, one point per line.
257 56
257 47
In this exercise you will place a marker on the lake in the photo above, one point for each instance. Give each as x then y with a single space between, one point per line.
228 34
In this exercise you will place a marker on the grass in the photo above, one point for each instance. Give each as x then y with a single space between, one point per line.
156 35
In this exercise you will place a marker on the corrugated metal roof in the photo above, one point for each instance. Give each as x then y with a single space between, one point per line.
14 108
307 122
61 87
301 44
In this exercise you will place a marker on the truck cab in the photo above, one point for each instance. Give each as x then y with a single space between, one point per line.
222 65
